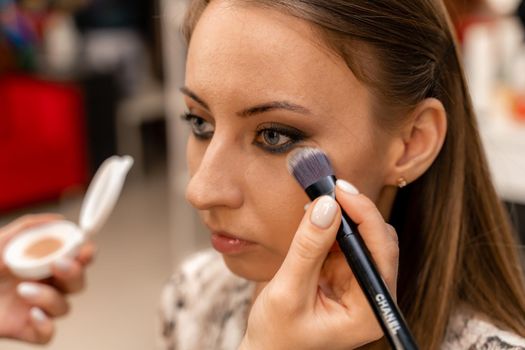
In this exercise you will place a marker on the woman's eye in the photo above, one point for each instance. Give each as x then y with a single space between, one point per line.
274 138
199 126
277 138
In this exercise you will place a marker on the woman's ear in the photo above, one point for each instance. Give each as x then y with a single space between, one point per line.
419 142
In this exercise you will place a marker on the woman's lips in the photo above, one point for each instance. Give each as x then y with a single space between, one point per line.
228 244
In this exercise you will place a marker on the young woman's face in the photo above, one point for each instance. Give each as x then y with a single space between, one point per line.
258 85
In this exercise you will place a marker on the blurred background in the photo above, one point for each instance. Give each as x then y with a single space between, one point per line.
81 80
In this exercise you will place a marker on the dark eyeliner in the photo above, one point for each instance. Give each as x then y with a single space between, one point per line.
188 117
295 136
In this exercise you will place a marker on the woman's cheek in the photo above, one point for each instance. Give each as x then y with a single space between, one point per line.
285 212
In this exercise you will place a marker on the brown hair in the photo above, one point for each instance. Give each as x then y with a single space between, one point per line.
456 243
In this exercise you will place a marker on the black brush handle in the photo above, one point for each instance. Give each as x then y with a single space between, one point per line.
385 308
365 271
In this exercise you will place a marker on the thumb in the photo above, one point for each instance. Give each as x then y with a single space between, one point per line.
316 234
14 228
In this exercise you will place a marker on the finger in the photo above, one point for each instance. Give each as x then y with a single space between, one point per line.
379 237
86 254
24 223
301 268
45 297
42 326
392 233
28 221
68 275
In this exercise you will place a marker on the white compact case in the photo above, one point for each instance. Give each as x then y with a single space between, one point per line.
32 253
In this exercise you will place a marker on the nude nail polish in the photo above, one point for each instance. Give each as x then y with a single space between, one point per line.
324 212
37 314
28 290
346 187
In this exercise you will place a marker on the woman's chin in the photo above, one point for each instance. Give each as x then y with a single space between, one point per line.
253 268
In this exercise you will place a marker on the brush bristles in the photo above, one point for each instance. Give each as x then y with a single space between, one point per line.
308 165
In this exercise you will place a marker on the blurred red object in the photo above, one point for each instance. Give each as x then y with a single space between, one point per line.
468 12
519 107
42 140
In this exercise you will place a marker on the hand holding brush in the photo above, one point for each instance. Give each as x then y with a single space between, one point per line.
312 169
315 302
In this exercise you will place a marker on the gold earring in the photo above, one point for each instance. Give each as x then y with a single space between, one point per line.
401 182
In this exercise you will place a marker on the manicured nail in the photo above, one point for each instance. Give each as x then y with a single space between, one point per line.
28 290
64 264
324 212
307 205
346 186
37 314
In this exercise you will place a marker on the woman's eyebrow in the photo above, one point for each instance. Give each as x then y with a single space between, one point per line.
270 106
194 97
258 109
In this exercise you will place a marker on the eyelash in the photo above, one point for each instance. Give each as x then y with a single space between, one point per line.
294 135
189 118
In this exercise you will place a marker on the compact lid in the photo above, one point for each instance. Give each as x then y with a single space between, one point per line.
103 192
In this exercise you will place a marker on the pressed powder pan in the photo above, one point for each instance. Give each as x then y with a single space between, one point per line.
32 253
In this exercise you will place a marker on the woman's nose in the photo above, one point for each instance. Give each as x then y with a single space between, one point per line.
216 182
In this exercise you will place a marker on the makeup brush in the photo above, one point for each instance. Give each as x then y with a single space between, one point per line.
312 169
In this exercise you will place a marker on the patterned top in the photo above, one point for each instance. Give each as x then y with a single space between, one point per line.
205 307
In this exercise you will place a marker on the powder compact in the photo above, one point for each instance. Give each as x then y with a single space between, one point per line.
32 253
